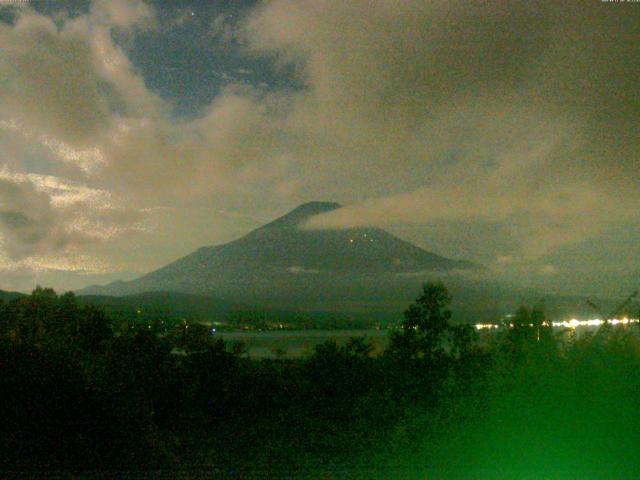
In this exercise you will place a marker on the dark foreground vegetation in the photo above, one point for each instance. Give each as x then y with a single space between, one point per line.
78 394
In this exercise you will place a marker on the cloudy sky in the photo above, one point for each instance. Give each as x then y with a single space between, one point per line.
503 132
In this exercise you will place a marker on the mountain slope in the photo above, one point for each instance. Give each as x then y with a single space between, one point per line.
282 262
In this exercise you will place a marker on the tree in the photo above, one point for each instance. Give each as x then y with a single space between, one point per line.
462 340
360 347
93 329
193 337
425 325
528 329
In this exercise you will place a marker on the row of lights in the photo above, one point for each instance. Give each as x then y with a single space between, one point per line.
573 323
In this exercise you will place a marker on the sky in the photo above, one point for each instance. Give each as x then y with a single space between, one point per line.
503 132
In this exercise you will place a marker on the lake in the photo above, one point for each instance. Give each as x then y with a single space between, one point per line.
299 343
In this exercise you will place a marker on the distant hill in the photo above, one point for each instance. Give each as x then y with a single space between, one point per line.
281 265
158 305
6 296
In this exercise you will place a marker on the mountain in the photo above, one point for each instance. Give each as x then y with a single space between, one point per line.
282 264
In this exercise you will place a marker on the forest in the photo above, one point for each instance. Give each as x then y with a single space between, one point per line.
83 395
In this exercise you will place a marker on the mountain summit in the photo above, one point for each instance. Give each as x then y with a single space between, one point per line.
302 213
283 263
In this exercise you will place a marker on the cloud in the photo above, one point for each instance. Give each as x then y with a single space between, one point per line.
540 219
83 100
508 113
69 94
28 222
66 89
60 192
52 91
122 13
42 216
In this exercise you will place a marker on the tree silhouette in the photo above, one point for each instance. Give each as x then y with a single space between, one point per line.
425 325
528 333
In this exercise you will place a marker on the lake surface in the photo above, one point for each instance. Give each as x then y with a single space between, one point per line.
299 343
